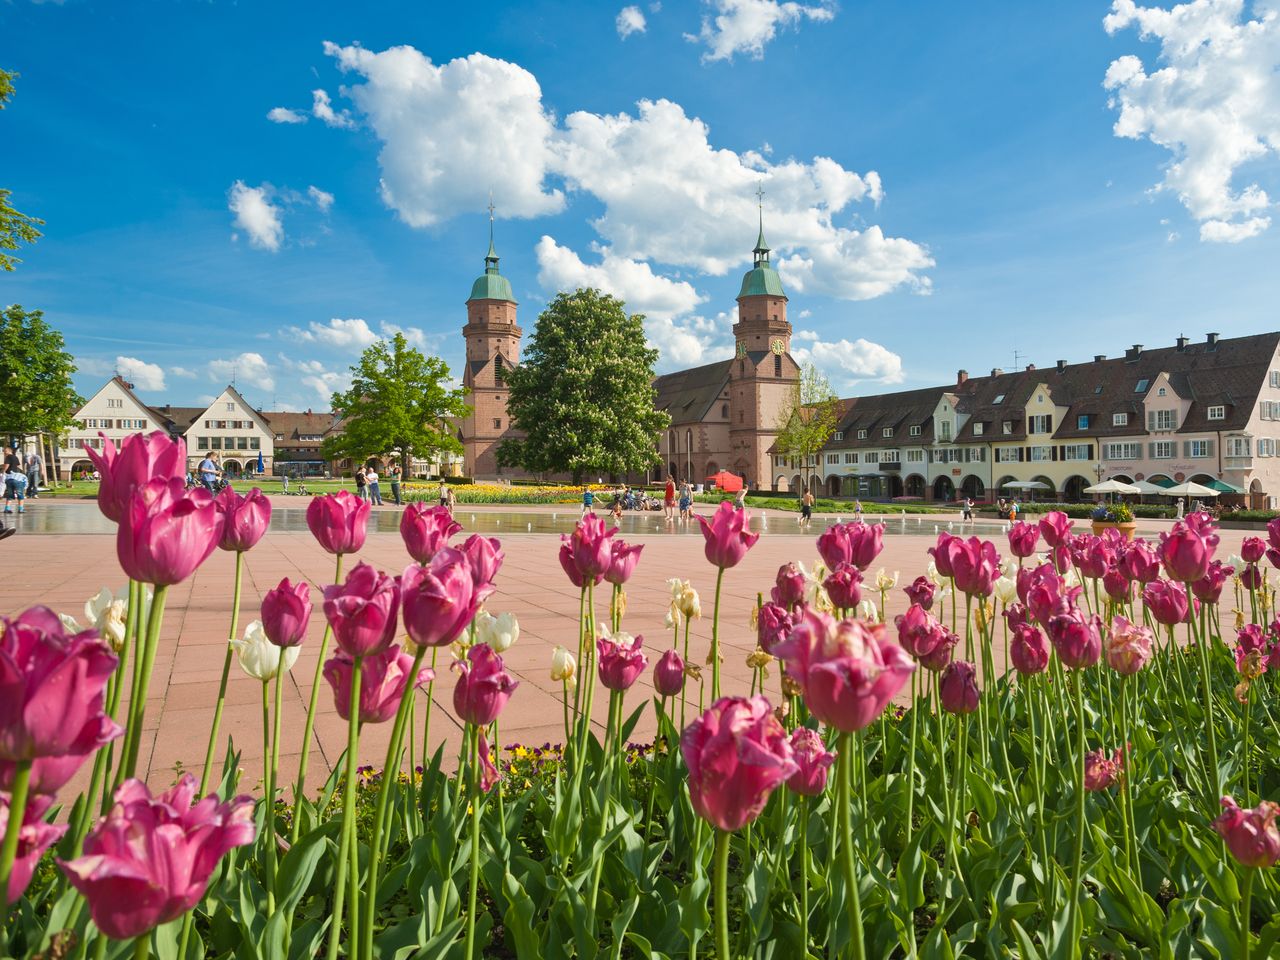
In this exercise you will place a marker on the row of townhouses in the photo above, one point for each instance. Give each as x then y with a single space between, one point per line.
1208 412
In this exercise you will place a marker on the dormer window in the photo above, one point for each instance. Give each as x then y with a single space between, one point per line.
1161 392
862 434
1217 413
887 432
977 429
915 430
1007 428
1082 422
839 435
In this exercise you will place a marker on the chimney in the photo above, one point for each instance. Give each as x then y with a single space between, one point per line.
1099 357
1182 344
961 376
1030 367
996 372
1133 353
1211 339
1062 366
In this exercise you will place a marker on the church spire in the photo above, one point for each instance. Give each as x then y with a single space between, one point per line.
761 250
491 258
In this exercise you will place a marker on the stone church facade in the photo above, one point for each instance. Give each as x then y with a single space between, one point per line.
724 415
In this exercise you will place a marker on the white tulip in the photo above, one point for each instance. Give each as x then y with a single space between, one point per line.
1071 578
1235 560
672 619
868 612
564 666
1006 589
884 581
1009 567
69 623
259 657
499 632
109 615
934 576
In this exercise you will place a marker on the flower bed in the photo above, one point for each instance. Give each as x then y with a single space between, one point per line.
1106 797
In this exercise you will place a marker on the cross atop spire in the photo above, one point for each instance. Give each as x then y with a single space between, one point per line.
491 258
762 249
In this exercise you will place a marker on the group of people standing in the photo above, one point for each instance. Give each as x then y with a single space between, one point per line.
22 476
367 487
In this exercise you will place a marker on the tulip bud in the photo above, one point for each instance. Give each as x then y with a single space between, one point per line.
668 674
564 666
499 632
1251 835
259 657
1101 771
813 759
958 688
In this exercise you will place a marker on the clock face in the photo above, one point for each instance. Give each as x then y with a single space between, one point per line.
778 347
742 348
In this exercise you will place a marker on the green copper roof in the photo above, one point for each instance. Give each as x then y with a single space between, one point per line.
493 285
761 280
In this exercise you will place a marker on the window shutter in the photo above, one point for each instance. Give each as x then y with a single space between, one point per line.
1186 448
1090 451
1022 454
1151 420
1208 446
1151 450
1053 453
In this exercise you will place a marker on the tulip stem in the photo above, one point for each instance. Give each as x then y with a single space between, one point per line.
266 789
300 790
804 874
715 639
136 634
844 804
1246 908
270 821
142 947
222 684
1215 776
1126 796
722 894
473 734
102 781
348 812
911 755
138 703
426 723
1077 862
9 851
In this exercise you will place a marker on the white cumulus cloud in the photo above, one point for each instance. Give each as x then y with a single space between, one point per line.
256 215
321 198
1213 103
143 375
630 20
691 341
345 333
322 109
285 115
184 372
247 368
316 376
848 362
633 281
746 26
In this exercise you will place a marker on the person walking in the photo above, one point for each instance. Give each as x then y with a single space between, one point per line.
740 501
394 474
208 471
686 501
806 508
966 509
362 489
371 484
35 472
15 488
669 499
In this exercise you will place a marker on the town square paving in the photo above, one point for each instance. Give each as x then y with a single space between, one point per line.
62 570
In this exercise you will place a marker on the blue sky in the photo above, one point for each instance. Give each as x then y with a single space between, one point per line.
944 183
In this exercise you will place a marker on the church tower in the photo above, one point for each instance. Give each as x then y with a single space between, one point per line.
493 347
763 377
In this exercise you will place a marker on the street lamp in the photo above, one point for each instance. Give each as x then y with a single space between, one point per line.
1098 471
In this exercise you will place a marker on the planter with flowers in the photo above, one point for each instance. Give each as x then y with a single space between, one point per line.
1114 516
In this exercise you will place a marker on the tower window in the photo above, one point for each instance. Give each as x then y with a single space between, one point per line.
497 424
777 364
742 366
499 374
724 411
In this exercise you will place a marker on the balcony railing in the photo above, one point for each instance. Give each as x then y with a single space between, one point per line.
890 466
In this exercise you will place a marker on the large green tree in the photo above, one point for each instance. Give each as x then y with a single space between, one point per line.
36 393
583 394
15 226
400 402
808 420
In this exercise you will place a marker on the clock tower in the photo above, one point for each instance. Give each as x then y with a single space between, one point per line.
763 377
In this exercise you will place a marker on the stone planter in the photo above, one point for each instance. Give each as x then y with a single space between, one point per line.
1125 528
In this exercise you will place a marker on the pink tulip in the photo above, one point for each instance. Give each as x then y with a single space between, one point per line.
362 611
571 569
1129 646
844 586
1208 589
34 838
244 518
1185 552
789 586
1167 601
975 564
338 521
1251 577
773 625
737 754
1060 557
590 546
1139 562
936 660
438 601
150 859
483 686
51 689
942 552
1055 527
1273 557
1253 549
920 592
1273 533
856 543
1094 557
166 532
488 772
623 558
485 556
1101 771
1028 650
1077 639
918 631
1016 613
958 687
1117 585
848 671
1023 539
425 529
384 681
620 660
813 760
668 674
1251 647
1251 834
727 536
51 774
140 459
286 613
